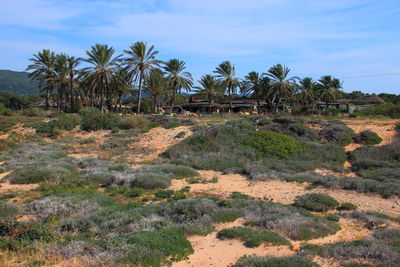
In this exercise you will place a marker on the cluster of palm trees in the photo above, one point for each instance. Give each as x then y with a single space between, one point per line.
108 77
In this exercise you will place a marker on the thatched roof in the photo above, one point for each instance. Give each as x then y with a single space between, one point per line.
368 99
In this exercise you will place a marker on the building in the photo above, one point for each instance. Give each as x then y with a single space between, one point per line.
352 105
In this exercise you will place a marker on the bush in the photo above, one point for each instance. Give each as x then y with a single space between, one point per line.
135 122
347 206
268 261
4 110
273 145
28 176
157 247
388 110
180 134
251 237
227 215
367 138
94 120
338 133
64 122
316 202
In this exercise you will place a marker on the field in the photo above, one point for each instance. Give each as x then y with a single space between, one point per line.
92 189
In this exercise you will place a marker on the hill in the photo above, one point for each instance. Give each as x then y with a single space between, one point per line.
17 82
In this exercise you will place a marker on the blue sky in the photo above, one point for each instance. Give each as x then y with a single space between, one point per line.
355 40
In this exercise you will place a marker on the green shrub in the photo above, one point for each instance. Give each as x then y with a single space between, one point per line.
337 133
170 125
164 193
316 202
7 210
333 217
367 138
157 248
94 120
180 134
63 122
388 110
4 110
252 237
227 215
238 195
29 176
268 261
134 122
347 206
273 145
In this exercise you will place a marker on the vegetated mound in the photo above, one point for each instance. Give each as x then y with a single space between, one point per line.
237 146
379 163
269 261
367 137
50 166
317 202
95 227
338 133
381 248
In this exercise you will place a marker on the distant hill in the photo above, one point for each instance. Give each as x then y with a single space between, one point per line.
17 82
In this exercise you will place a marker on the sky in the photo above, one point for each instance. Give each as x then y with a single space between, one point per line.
357 41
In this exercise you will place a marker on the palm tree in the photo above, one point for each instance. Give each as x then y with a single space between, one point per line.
72 64
177 78
156 86
257 85
121 86
139 64
103 70
281 85
329 89
307 94
210 88
43 65
226 74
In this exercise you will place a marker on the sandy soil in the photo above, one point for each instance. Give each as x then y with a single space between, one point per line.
384 128
7 188
211 251
19 129
284 192
156 141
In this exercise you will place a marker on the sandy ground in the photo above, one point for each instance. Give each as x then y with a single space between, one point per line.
384 128
211 251
284 192
7 188
156 141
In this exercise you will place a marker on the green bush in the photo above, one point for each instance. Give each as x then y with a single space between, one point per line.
333 217
180 134
238 195
337 133
63 122
134 122
170 125
29 176
367 138
4 110
94 120
388 110
268 261
252 237
157 248
347 206
316 202
164 193
227 215
273 145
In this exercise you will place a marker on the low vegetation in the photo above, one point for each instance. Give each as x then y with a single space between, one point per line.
253 238
268 261
316 202
367 138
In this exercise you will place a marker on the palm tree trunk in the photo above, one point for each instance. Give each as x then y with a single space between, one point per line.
139 93
209 105
230 99
173 101
258 106
47 99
